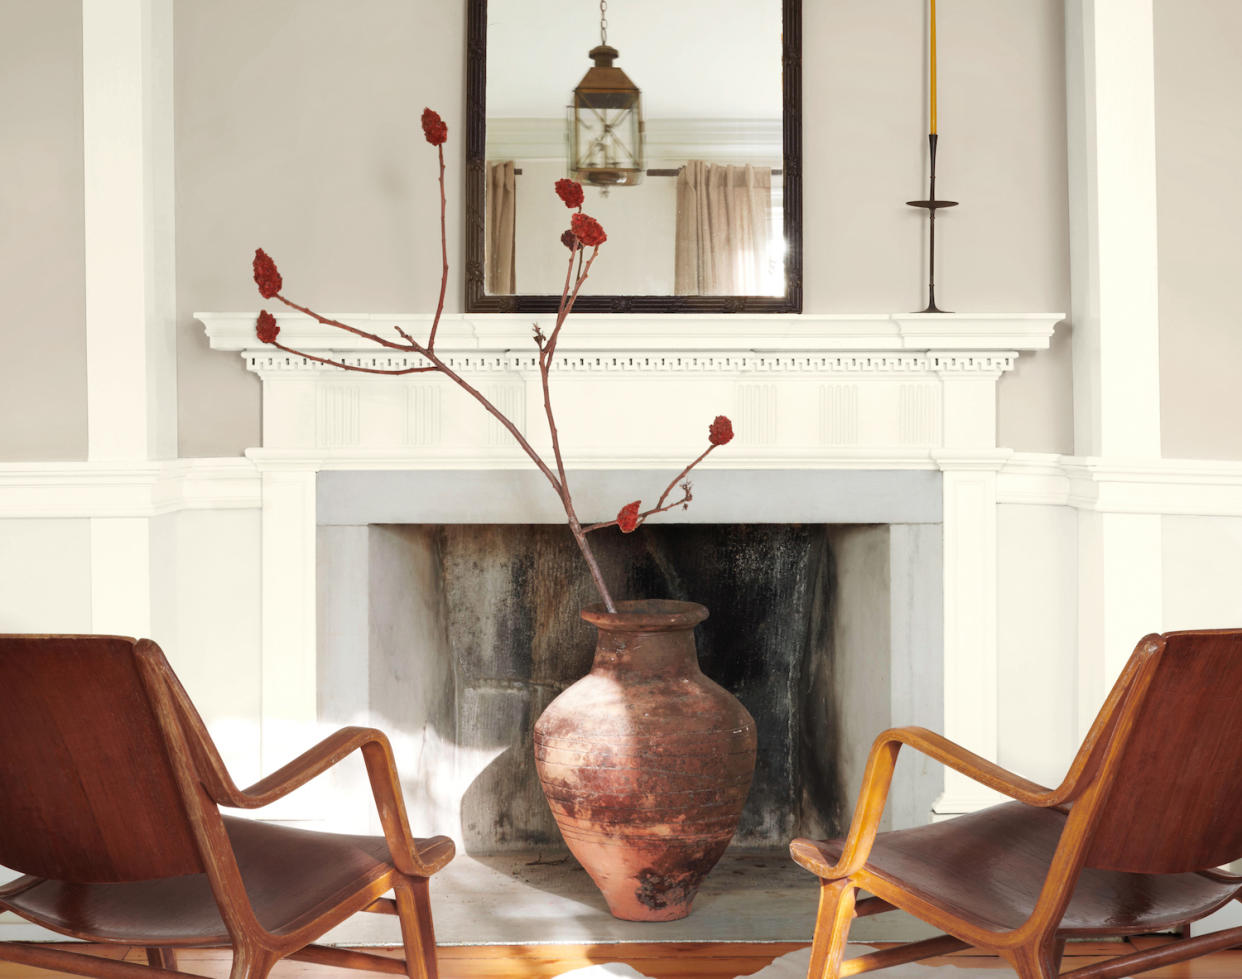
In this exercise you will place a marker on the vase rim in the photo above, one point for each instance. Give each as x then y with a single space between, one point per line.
646 615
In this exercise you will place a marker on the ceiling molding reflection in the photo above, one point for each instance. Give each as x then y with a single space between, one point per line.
755 141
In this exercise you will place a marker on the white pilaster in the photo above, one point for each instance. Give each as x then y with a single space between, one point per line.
970 462
970 665
1110 89
131 353
1120 577
130 283
289 705
121 576
969 401
1111 112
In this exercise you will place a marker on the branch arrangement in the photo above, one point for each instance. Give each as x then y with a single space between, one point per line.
584 233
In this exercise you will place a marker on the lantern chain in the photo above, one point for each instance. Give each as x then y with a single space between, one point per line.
603 21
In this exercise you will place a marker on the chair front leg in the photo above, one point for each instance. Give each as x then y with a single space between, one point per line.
832 927
417 933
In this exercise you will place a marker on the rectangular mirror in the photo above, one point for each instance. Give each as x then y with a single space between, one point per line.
699 190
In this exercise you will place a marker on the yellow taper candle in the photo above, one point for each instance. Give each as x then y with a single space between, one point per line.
933 67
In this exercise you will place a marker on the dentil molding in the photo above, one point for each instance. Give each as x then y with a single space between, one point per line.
270 362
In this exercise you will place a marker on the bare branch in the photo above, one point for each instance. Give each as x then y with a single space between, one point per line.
643 515
682 475
435 323
546 351
550 346
496 413
564 313
661 506
414 344
326 321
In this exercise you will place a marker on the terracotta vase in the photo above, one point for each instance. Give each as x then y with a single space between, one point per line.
645 762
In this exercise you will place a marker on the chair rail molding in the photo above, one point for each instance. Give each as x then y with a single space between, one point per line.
51 490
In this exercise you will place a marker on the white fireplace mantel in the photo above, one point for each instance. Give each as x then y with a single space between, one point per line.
878 392
802 390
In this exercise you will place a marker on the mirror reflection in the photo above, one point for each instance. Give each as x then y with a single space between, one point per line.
685 173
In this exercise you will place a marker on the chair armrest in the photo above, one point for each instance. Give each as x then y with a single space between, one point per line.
878 777
415 857
306 766
977 767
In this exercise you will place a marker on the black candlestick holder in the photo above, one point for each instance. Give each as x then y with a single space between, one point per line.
932 205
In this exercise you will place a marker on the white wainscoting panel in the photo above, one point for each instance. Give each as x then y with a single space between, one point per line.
45 575
206 619
1202 569
1037 663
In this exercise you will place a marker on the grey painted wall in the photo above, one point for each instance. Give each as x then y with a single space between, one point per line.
42 263
1001 155
1198 146
298 132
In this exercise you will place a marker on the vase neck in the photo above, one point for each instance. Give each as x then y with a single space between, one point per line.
666 652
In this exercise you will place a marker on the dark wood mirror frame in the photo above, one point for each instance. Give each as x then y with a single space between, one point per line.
478 300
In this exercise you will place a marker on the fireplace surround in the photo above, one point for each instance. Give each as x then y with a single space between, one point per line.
884 421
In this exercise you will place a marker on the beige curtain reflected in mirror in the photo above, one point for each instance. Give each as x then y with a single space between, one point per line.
501 208
723 230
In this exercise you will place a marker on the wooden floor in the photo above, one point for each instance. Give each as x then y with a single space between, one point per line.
665 960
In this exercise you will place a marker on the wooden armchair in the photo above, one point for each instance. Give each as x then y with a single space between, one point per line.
1130 842
110 789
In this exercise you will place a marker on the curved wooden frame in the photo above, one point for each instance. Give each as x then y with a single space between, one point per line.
479 301
205 785
1034 949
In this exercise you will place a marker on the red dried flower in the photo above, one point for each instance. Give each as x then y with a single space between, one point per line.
570 191
720 431
265 327
569 240
434 128
627 519
266 277
588 230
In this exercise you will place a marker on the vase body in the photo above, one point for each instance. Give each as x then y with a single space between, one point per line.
645 762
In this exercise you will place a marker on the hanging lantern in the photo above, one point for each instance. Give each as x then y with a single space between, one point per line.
606 121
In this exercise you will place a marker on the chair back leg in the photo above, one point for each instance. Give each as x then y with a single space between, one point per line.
417 933
832 927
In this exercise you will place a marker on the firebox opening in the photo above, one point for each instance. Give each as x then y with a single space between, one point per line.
471 630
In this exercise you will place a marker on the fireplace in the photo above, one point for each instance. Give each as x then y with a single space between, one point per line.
878 430
456 635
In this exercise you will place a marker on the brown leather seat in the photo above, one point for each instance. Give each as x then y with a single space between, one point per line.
110 789
1130 842
1010 849
288 872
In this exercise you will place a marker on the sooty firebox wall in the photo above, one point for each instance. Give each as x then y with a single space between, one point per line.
511 597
